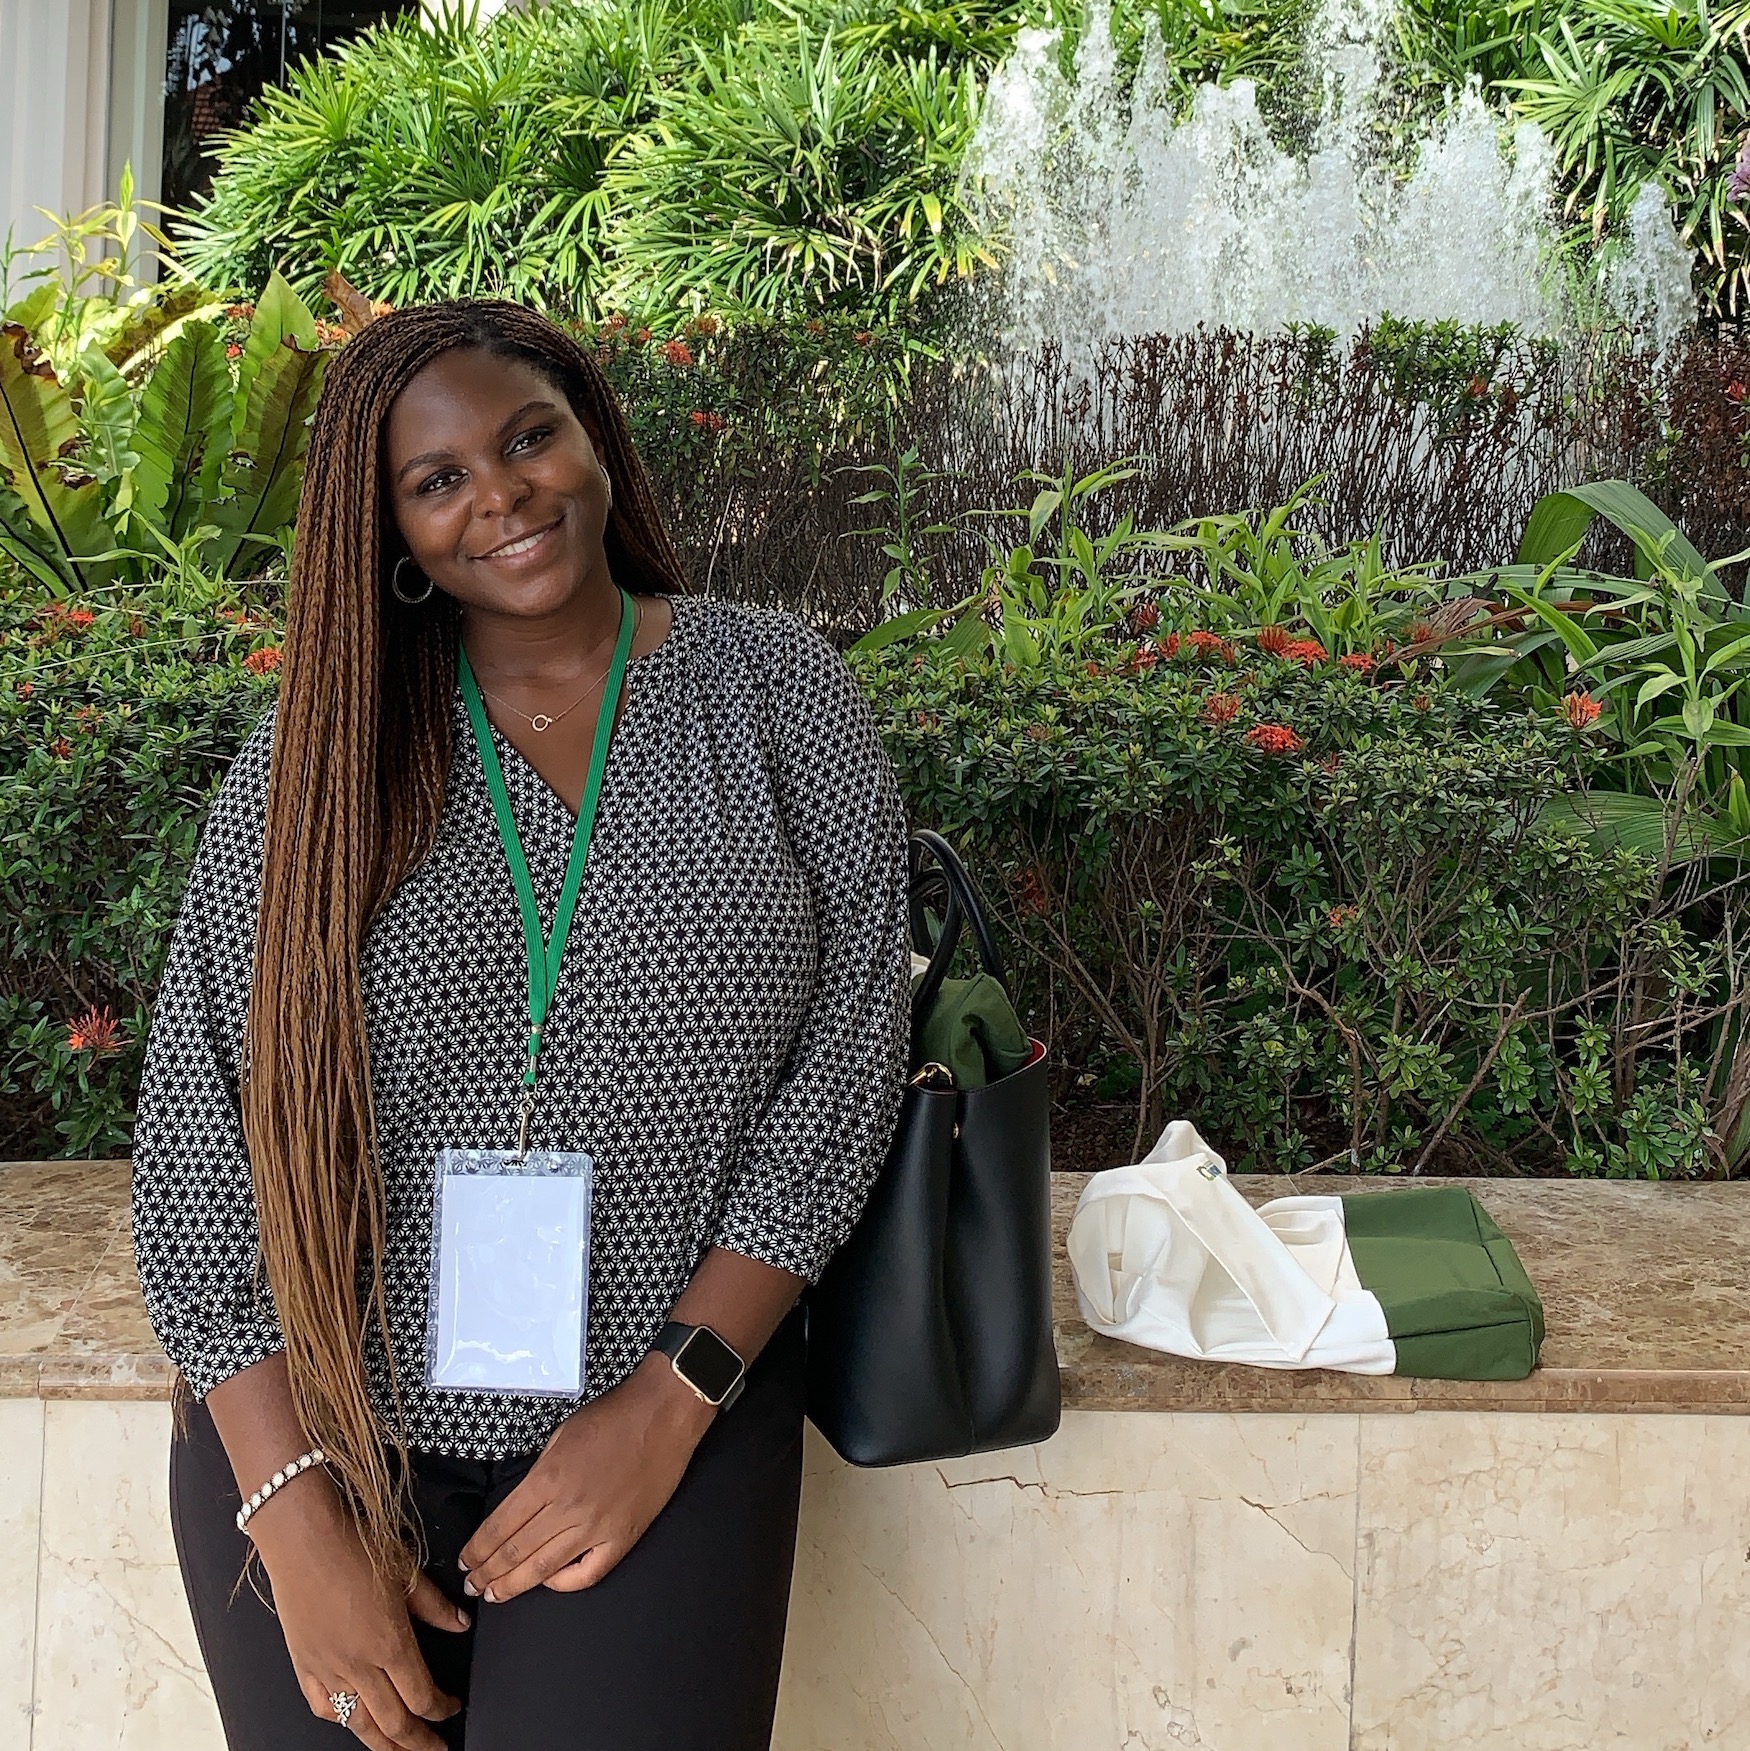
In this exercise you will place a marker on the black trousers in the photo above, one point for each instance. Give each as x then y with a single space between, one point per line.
676 1650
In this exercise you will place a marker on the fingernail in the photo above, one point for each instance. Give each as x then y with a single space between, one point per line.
470 1589
463 1619
491 1597
462 1564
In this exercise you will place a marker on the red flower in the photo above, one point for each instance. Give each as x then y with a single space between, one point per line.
1220 709
1356 660
1735 392
1582 710
263 661
1143 659
1274 641
1477 388
1420 631
815 326
1144 617
710 422
1306 652
641 335
1208 644
86 716
61 748
240 312
136 626
232 349
1032 897
26 689
1338 916
1095 669
1331 765
1168 646
95 1031
862 337
1274 739
677 353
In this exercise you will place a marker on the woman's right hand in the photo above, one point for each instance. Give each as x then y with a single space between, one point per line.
345 1628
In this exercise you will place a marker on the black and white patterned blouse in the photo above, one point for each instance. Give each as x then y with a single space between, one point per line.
727 1038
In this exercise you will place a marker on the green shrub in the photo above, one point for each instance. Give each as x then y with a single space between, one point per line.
116 726
1313 906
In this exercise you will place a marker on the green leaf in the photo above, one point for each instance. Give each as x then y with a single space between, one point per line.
1559 521
900 627
280 316
109 414
264 471
39 432
183 431
1635 823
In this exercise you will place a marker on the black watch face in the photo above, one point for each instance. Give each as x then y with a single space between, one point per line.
709 1363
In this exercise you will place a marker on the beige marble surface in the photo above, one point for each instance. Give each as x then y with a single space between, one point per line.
1138 1581
116 1661
1165 1581
1557 1583
1644 1287
21 1478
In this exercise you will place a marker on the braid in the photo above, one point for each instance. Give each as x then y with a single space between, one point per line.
362 747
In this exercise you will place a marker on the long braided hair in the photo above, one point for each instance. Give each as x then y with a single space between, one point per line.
362 744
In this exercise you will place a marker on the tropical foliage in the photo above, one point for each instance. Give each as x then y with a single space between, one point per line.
197 469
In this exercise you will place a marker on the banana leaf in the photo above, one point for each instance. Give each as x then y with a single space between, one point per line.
265 469
1636 823
39 433
1559 521
183 432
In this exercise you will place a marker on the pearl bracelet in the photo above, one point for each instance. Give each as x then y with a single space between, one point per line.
278 1481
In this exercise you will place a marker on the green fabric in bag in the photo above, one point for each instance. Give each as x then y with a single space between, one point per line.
1458 1304
973 1029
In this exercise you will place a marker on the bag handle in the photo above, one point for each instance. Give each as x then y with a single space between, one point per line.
964 906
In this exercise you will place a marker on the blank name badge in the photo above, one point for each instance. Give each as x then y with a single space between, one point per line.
510 1272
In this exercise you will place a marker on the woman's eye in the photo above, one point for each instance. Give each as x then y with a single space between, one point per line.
435 481
536 432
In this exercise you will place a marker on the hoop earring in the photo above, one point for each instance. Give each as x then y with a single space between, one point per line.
395 583
608 483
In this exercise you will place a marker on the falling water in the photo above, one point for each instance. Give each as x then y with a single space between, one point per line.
1123 217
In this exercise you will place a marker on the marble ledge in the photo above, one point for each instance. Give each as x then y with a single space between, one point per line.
1644 1288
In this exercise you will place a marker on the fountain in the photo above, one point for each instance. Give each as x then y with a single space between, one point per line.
1125 217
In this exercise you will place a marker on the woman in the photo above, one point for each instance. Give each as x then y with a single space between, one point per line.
482 593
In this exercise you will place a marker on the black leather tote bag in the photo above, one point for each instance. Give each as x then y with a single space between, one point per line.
929 1334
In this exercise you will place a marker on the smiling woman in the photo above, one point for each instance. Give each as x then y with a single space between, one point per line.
533 849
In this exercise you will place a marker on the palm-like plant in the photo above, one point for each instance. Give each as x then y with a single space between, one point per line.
797 170
1637 91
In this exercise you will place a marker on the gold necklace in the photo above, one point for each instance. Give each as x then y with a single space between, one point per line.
544 720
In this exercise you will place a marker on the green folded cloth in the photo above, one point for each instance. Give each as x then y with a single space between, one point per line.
1457 1302
972 1028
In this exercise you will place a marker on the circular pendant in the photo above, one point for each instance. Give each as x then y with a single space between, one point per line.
542 722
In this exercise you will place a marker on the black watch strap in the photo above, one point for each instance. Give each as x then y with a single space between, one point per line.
704 1361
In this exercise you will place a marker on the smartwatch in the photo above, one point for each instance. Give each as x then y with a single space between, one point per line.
708 1365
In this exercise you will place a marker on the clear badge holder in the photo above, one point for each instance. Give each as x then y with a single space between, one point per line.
510 1272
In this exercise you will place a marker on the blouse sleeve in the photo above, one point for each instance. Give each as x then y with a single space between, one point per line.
196 1240
817 1147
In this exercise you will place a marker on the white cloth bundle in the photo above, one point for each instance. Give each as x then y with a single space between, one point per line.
1169 1255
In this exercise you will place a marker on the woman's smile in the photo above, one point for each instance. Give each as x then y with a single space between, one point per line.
531 548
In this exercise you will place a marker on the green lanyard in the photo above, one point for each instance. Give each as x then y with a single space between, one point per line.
544 958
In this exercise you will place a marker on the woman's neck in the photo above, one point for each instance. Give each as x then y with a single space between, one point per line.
539 652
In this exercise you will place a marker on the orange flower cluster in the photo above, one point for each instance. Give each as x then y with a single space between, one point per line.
264 661
1358 661
26 689
58 618
1338 916
61 748
1220 709
97 1030
1581 710
677 353
1144 618
710 422
1274 739
1274 641
1209 644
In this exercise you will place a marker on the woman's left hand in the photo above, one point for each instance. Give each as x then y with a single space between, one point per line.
606 1473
